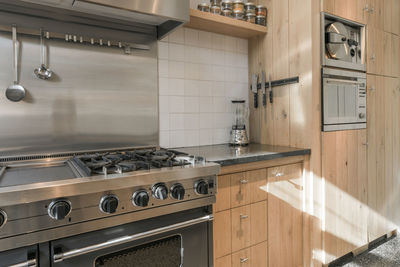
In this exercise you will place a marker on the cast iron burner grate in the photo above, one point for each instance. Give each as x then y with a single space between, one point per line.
128 161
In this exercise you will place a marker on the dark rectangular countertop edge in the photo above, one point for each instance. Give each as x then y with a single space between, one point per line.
255 158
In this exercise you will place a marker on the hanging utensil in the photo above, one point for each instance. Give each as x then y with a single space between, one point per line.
270 89
15 92
254 89
263 79
43 72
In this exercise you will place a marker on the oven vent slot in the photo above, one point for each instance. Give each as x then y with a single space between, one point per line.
164 253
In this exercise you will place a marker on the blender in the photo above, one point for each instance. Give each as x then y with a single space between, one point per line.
238 132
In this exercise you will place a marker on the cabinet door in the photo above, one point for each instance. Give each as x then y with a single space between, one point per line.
396 17
222 234
353 10
241 227
344 167
375 51
375 17
258 222
258 185
240 190
387 54
395 55
224 193
285 216
242 258
259 255
225 261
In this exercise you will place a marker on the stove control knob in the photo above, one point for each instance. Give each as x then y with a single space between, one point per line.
3 218
109 204
201 187
361 115
178 192
59 209
141 198
160 191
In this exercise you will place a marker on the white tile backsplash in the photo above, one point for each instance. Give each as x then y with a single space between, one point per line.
199 74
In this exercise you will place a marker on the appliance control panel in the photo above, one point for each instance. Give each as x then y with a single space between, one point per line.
160 197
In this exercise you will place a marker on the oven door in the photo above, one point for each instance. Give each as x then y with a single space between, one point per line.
20 257
179 239
344 102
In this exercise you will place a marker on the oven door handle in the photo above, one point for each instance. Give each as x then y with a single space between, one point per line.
29 263
58 257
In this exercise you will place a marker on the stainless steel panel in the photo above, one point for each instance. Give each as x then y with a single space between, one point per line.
165 16
102 223
100 98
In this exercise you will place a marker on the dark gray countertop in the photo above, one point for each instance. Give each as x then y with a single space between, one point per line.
228 155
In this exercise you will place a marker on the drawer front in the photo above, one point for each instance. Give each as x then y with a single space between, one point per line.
285 172
259 255
258 222
258 185
240 190
222 233
224 193
225 261
242 258
241 227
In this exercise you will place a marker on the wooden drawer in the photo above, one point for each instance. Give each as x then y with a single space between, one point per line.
240 190
255 256
224 193
258 185
222 233
225 261
258 222
249 225
242 258
241 227
285 172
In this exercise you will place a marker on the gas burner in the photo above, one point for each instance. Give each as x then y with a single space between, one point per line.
128 161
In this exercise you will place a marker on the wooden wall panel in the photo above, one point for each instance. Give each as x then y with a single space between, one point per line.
284 52
344 169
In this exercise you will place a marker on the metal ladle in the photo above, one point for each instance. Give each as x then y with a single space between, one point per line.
15 92
43 72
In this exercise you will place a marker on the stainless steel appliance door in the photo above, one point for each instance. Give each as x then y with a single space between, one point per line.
21 257
153 235
340 101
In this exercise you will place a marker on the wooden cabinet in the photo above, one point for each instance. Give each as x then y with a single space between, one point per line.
224 193
285 216
222 233
356 10
256 256
240 227
254 204
383 154
344 168
240 190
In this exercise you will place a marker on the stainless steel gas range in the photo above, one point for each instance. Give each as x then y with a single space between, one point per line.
82 179
104 209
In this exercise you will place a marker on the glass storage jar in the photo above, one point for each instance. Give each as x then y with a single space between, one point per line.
204 7
238 6
227 5
250 8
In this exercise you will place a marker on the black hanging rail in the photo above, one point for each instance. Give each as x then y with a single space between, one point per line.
280 82
269 84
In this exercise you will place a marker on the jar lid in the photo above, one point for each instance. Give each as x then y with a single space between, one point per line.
238 2
250 4
238 12
226 2
250 15
227 11
203 5
261 7
261 17
216 7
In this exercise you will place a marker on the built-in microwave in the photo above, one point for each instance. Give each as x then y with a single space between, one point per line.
344 100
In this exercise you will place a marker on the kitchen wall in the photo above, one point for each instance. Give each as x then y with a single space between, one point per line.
199 74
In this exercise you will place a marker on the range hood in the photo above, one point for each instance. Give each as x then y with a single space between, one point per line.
161 15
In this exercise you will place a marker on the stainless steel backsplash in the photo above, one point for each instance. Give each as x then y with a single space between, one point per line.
99 98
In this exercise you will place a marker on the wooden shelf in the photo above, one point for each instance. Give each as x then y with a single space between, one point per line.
219 24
